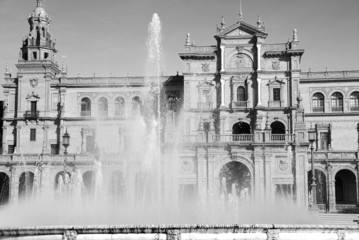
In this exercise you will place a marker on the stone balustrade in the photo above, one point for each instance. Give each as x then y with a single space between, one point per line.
185 232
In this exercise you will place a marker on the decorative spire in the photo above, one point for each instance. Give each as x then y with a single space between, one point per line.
240 11
39 3
64 70
295 35
7 69
260 24
188 40
222 23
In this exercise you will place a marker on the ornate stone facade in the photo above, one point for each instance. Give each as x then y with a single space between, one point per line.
243 103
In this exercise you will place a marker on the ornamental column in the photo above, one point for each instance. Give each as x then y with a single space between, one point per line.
222 92
259 57
4 138
45 149
222 58
259 85
18 139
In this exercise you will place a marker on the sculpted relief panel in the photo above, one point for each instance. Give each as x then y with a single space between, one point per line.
240 61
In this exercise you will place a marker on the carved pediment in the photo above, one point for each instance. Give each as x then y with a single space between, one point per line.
241 29
276 81
33 95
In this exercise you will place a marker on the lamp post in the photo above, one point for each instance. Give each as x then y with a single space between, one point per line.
66 144
206 128
311 138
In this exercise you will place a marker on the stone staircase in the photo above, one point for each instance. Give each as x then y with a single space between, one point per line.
338 218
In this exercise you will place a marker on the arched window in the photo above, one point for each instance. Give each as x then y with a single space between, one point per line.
241 94
119 106
136 104
241 131
354 101
26 183
337 102
85 107
278 131
103 107
318 102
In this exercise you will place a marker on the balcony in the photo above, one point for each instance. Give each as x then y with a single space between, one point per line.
318 109
282 137
337 109
276 104
85 114
103 113
240 104
31 114
205 106
234 138
354 108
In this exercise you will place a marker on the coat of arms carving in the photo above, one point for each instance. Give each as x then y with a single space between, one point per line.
205 67
276 65
33 82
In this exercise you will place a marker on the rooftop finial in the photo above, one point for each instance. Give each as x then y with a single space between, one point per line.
240 11
259 22
188 40
7 69
295 35
39 3
222 23
63 67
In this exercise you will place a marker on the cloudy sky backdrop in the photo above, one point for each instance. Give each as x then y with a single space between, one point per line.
109 36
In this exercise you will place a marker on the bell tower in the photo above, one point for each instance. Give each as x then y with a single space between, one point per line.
38 45
36 68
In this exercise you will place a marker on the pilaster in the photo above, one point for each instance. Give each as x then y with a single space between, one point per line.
45 147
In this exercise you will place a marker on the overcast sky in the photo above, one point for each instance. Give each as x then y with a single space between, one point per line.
109 36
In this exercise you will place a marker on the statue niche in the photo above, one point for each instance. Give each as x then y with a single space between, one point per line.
240 61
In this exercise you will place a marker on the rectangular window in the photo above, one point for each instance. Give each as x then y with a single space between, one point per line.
10 149
54 149
33 107
33 134
55 101
90 144
276 94
34 54
323 144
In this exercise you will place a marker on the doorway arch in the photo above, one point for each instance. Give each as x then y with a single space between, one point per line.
235 179
277 127
321 189
26 184
345 187
4 188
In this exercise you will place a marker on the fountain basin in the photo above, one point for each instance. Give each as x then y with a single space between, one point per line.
184 232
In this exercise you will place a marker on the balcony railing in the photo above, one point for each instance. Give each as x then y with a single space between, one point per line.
31 114
240 104
234 138
205 105
85 113
318 109
337 109
276 104
102 113
354 108
282 137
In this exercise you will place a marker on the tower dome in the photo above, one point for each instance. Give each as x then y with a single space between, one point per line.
39 12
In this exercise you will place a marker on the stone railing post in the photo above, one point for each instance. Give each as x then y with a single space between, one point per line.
173 235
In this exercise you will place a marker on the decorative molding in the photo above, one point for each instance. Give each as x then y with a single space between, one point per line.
34 82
